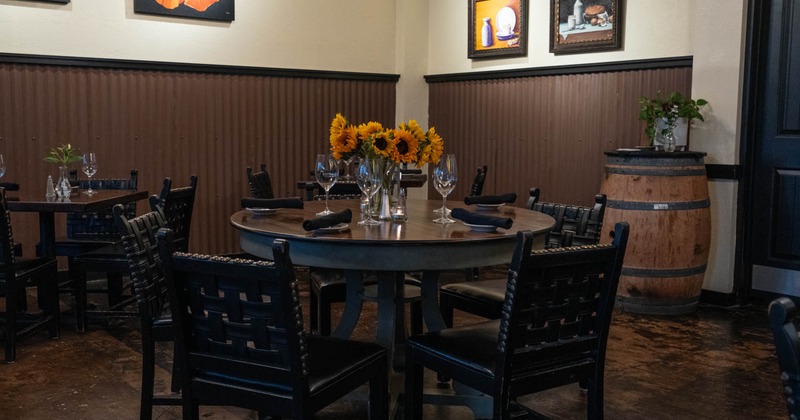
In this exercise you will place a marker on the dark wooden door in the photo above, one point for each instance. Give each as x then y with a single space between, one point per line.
774 219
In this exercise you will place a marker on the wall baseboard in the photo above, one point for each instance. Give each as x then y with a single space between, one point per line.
710 297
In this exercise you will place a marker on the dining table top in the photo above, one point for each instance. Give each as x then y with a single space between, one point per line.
34 200
416 244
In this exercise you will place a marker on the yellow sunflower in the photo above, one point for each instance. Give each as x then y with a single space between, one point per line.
383 145
406 146
432 151
415 129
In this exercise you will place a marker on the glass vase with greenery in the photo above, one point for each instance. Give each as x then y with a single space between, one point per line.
63 155
670 109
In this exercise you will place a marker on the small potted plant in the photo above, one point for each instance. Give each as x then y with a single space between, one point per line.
668 118
63 155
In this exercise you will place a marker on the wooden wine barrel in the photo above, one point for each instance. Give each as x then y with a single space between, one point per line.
664 198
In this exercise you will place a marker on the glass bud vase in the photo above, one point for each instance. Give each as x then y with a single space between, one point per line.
63 188
669 141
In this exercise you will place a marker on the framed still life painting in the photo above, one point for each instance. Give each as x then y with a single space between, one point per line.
578 26
497 28
198 9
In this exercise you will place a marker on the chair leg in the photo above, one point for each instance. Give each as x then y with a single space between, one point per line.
114 289
48 290
313 311
324 316
413 385
148 378
594 401
12 309
79 290
447 310
416 317
176 371
379 392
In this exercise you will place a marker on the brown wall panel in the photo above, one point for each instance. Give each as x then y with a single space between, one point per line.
547 131
172 123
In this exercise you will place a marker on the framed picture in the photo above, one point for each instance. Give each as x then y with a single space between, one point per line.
497 28
198 9
578 26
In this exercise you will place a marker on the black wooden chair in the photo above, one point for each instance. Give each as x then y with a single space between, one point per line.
259 182
575 225
241 342
553 331
91 231
477 182
178 206
782 312
16 275
13 186
147 274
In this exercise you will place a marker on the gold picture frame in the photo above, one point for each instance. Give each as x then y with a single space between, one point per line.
581 26
497 28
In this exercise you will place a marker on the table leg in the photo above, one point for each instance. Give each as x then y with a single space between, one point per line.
430 301
47 233
391 320
352 304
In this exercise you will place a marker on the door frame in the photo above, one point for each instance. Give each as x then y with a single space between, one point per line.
752 88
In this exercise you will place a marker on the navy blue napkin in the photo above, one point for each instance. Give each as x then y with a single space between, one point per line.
491 199
272 203
473 218
333 219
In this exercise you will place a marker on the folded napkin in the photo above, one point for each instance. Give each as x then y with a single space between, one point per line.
491 199
333 219
273 203
473 218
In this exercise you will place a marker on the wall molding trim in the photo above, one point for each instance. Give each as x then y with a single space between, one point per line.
105 63
659 63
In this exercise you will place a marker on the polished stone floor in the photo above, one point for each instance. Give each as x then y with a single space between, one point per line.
715 364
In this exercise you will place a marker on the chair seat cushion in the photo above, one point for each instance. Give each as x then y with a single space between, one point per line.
330 359
473 347
491 290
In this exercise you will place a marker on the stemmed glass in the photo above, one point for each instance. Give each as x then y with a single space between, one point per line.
369 181
89 168
326 171
347 163
2 166
445 176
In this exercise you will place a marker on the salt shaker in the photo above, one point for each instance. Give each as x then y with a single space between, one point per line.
50 191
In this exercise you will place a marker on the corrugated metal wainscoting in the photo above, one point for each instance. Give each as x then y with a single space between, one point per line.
547 130
175 122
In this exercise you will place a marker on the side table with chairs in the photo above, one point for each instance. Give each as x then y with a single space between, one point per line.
16 276
553 331
241 342
91 231
575 225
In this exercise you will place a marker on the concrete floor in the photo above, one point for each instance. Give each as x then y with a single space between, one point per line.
714 364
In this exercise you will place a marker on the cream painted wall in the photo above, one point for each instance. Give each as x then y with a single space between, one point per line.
412 38
343 35
712 31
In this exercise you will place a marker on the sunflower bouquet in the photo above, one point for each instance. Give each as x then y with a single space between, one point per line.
407 143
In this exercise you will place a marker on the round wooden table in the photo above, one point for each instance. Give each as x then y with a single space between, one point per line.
390 250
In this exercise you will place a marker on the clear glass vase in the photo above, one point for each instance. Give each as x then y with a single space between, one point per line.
63 189
381 203
668 140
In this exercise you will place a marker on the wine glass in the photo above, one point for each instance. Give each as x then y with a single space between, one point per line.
347 161
369 181
326 171
445 177
89 168
2 166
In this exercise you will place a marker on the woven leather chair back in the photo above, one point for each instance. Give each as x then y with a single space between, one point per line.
260 184
782 312
558 307
178 207
477 182
575 225
99 225
146 271
240 318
